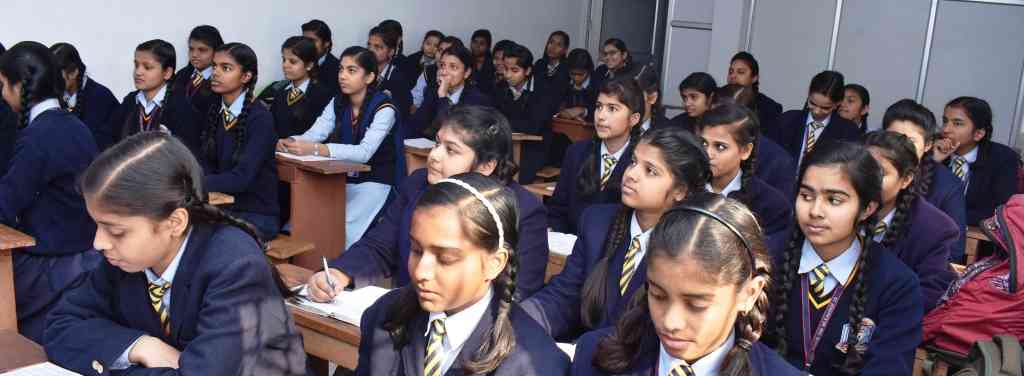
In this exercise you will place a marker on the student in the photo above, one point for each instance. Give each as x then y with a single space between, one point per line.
551 70
744 70
327 66
38 194
460 315
194 79
472 138
856 105
606 267
918 233
581 96
303 99
932 181
654 113
618 62
498 57
774 165
799 131
394 27
427 56
427 80
698 93
730 134
85 97
708 324
483 65
453 87
390 79
865 304
592 169
988 167
210 287
238 145
358 126
527 109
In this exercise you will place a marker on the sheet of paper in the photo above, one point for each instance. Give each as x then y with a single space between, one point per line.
420 143
560 243
347 306
303 158
41 369
567 348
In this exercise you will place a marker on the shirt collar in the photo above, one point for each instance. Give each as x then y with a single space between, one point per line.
322 60
140 98
172 268
617 155
236 107
586 83
710 364
527 86
460 326
646 125
634 230
302 87
810 119
42 106
734 185
972 155
455 96
839 267
72 98
888 224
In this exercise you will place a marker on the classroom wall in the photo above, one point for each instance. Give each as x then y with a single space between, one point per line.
107 31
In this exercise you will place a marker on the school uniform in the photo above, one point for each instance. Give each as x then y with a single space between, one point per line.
768 111
225 313
557 307
167 112
327 69
946 193
424 121
684 121
464 334
552 80
393 82
426 82
795 125
94 104
383 251
529 111
924 247
773 210
414 66
653 359
39 196
584 95
252 177
776 167
893 309
566 204
483 77
8 135
629 71
196 89
990 172
295 109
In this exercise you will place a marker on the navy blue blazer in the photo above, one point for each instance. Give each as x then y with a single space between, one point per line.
534 354
894 305
483 78
396 85
226 313
202 99
411 65
925 247
554 85
946 192
252 179
8 134
530 114
774 212
328 73
992 179
566 204
791 126
300 116
557 307
95 105
383 251
768 111
424 122
181 118
762 359
585 97
776 167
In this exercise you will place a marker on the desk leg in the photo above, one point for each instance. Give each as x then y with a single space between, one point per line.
517 157
8 315
318 215
317 366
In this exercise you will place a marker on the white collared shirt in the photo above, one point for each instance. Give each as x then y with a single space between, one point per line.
385 73
634 230
322 60
888 223
617 155
525 87
839 268
646 125
817 134
206 73
456 95
302 87
458 328
553 68
235 108
709 365
734 185
150 105
586 83
72 98
970 157
419 88
42 106
378 130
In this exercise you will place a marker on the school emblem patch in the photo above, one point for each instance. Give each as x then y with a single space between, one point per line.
867 329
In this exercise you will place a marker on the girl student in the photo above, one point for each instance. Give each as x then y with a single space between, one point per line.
592 169
428 80
607 267
918 233
472 138
238 144
966 147
154 105
460 315
498 57
856 105
453 87
391 79
707 325
840 307
579 100
698 93
182 279
654 113
327 66
932 181
744 70
774 165
194 79
800 131
356 126
528 110
85 97
551 70
426 56
730 135
483 63
38 194
304 97
618 62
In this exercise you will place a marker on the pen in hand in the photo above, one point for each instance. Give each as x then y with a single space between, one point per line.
327 276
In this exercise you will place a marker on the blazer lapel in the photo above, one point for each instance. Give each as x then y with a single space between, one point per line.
134 297
182 284
474 342
412 353
613 295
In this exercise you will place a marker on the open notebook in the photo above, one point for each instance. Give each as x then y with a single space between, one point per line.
560 243
303 158
41 369
347 306
419 143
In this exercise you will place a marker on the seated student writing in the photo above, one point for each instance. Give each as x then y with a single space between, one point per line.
966 147
460 315
745 71
357 126
932 181
427 81
327 66
182 280
799 131
85 97
705 325
654 113
472 138
194 79
426 56
391 79
238 146
698 93
303 98
483 64
528 110
551 72
774 165
579 100
38 194
918 233
453 87
592 169
607 267
855 106
730 134
839 306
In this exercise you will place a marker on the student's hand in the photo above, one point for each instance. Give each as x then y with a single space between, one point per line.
283 144
442 87
943 148
320 291
151 352
299 147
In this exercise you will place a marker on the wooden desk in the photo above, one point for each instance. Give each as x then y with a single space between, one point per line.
325 339
218 199
318 205
574 129
10 241
541 190
18 351
416 158
974 236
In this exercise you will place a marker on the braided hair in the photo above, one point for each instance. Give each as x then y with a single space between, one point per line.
588 184
900 152
246 59
32 65
745 130
68 60
480 227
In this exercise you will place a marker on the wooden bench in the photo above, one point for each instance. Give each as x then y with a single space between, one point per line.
284 247
324 339
10 241
574 129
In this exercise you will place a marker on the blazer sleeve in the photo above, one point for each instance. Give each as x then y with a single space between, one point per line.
25 176
556 307
1003 185
424 116
955 206
533 249
259 146
558 203
898 331
933 268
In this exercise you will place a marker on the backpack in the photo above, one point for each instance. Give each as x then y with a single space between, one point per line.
999 357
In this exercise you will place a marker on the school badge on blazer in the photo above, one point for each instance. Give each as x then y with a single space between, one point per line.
867 329
96 366
388 93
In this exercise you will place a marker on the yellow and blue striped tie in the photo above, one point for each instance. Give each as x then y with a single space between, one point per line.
681 370
812 137
630 264
156 299
435 353
959 164
609 165
818 275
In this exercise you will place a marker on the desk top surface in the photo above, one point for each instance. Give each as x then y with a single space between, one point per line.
11 239
329 167
18 351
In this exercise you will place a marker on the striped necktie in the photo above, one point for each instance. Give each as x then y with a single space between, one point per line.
156 299
812 137
959 167
435 353
229 119
681 370
609 165
294 95
879 229
818 276
629 265
197 79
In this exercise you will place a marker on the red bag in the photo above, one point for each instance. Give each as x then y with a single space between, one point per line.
988 300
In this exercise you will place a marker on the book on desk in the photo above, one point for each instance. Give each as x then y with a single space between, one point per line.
347 306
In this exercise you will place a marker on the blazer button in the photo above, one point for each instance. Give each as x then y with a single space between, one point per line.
97 366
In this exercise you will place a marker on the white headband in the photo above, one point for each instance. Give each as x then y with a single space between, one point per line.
487 204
